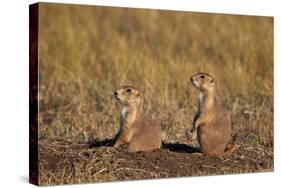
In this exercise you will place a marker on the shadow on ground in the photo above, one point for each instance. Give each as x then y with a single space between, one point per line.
175 147
182 148
101 143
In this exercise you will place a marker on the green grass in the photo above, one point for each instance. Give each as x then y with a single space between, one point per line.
85 52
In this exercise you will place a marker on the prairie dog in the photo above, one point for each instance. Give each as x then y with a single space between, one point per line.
136 129
212 120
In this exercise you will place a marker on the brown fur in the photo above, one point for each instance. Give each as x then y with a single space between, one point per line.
212 121
136 129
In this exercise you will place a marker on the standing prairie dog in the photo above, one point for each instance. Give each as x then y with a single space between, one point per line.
136 129
212 120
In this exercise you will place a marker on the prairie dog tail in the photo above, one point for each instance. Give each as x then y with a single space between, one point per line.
231 149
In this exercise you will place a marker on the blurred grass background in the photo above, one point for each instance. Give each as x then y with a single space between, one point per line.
86 52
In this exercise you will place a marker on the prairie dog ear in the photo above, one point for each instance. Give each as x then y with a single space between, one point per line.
212 80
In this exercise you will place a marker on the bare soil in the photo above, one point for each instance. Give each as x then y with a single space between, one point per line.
67 162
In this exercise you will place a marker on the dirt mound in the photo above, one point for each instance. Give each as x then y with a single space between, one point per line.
65 162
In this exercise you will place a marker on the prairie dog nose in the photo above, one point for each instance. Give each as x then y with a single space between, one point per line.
191 78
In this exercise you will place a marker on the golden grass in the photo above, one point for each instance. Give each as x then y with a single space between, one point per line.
87 51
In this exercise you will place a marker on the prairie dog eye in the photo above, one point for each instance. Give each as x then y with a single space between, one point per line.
202 76
128 90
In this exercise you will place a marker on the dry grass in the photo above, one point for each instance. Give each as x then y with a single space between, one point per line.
86 52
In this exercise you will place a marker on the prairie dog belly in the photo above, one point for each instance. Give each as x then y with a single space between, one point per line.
214 137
